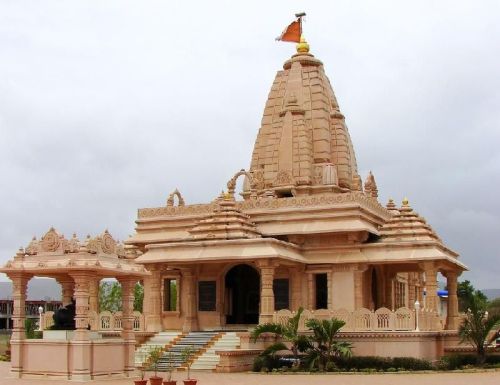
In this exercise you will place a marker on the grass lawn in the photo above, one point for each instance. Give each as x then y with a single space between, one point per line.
3 343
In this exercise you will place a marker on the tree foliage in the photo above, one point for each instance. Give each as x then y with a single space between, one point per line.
110 296
320 349
324 346
138 296
478 323
464 292
288 332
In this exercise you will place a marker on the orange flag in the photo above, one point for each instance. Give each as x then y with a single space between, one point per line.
292 32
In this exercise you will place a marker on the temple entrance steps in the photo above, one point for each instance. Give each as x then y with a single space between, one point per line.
208 360
199 342
162 339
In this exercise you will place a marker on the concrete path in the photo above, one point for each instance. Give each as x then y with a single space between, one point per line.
483 378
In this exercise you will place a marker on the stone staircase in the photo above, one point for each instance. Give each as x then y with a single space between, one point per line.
198 341
208 360
161 339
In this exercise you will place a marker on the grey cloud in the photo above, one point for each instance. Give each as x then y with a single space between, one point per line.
107 106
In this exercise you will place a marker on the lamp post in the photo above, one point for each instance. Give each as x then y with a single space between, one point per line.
40 312
417 309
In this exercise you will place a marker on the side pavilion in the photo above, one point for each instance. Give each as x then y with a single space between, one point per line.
81 354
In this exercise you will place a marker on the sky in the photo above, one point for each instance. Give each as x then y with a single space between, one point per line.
108 106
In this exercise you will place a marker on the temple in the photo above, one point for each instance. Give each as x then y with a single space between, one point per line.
305 232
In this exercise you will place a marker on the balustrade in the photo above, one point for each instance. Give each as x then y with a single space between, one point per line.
103 321
362 319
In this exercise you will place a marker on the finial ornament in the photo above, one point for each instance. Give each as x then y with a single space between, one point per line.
303 46
405 201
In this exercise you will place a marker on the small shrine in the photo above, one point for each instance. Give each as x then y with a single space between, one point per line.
77 354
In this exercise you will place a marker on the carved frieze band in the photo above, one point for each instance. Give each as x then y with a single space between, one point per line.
269 204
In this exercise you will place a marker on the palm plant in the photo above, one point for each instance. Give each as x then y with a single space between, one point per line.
477 325
324 347
288 332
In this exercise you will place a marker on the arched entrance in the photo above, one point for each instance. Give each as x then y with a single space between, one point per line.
242 295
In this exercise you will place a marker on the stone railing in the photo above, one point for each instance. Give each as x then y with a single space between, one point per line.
103 321
383 319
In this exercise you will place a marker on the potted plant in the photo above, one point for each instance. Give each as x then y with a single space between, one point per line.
187 354
170 367
142 381
154 357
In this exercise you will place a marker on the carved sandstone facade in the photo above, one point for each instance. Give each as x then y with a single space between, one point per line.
307 233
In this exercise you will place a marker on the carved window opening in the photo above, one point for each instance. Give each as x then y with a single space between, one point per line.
400 288
170 287
281 288
321 292
207 295
284 193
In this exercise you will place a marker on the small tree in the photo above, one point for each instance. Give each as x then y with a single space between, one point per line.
154 357
110 296
324 347
187 353
288 332
478 324
465 289
138 297
170 366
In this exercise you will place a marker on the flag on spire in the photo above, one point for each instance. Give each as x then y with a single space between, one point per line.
293 32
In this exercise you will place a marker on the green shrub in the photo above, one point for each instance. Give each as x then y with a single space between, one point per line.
411 363
384 363
459 361
391 370
266 362
331 367
29 327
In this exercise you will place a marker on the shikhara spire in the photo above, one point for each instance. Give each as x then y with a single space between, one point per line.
303 143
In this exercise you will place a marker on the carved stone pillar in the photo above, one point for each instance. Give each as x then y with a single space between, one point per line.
127 334
82 304
189 293
431 300
82 351
152 300
389 297
266 291
94 294
296 290
67 288
311 292
411 290
358 286
329 277
19 288
452 321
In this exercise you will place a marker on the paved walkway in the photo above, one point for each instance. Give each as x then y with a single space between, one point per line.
483 378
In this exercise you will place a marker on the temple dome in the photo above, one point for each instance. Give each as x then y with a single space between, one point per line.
226 221
406 225
303 145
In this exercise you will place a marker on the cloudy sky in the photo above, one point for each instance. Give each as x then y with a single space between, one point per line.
107 106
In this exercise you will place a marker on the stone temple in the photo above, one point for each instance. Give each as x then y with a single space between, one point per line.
308 233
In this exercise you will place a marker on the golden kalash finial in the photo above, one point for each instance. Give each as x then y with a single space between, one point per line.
226 195
405 201
303 46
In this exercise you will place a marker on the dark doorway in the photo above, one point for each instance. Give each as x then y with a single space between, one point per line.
321 291
242 296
